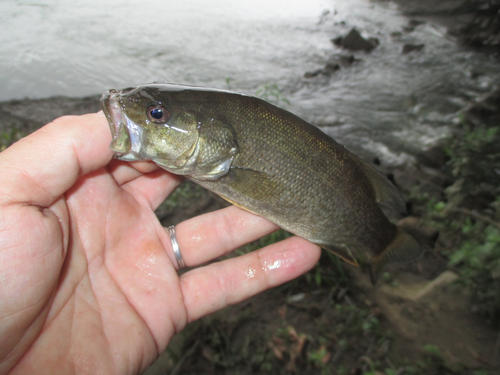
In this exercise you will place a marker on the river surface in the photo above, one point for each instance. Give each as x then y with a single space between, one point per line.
387 104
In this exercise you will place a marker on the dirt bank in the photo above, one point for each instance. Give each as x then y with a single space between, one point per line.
27 115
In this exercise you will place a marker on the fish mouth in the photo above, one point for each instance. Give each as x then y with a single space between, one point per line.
111 109
127 135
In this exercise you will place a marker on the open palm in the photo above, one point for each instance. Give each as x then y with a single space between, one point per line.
88 280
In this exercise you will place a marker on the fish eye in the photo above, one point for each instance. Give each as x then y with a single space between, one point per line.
158 114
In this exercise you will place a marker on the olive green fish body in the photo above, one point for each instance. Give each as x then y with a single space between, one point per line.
265 160
295 175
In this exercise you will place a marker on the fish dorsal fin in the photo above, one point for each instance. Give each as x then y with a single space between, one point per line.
385 192
403 248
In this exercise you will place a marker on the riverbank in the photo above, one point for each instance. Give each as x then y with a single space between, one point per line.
332 317
475 23
21 117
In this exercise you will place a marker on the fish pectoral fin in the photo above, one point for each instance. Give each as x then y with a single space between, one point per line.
385 192
342 252
252 184
238 205
403 248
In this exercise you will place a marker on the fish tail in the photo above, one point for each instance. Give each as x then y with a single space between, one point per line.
403 248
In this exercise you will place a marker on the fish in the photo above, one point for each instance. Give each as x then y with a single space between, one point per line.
265 160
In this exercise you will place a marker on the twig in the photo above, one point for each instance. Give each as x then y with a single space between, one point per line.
388 361
370 346
496 351
188 354
336 356
477 215
478 357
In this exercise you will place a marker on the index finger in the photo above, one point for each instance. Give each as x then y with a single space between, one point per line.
42 166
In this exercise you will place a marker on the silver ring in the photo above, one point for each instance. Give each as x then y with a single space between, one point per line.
175 247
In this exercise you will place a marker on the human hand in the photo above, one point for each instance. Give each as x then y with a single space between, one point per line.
88 279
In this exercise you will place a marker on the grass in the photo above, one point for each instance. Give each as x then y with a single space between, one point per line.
469 217
264 241
328 329
183 195
9 137
294 335
270 92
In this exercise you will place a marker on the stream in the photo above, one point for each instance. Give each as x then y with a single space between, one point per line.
386 104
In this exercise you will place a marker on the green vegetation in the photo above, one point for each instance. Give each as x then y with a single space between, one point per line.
264 241
470 216
185 194
304 328
478 261
9 137
271 93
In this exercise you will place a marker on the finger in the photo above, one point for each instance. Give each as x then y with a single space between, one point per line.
152 188
42 166
211 235
124 171
213 287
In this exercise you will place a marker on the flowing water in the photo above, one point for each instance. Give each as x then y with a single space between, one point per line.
387 104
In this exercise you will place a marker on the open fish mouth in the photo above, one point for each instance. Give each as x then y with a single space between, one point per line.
127 135
111 109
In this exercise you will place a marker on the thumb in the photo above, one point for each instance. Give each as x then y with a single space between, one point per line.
35 173
38 169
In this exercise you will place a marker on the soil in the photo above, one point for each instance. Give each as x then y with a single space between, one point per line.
28 115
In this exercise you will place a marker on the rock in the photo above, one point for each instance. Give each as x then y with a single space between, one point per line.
313 74
374 42
328 70
407 48
433 157
446 278
355 42
419 290
485 109
415 23
421 181
416 227
346 60
412 24
422 312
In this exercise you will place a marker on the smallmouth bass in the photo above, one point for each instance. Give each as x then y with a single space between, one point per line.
265 160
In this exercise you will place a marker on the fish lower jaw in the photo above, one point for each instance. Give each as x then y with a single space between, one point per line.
128 157
111 108
116 115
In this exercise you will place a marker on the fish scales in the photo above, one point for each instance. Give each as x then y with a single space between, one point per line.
302 156
265 160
